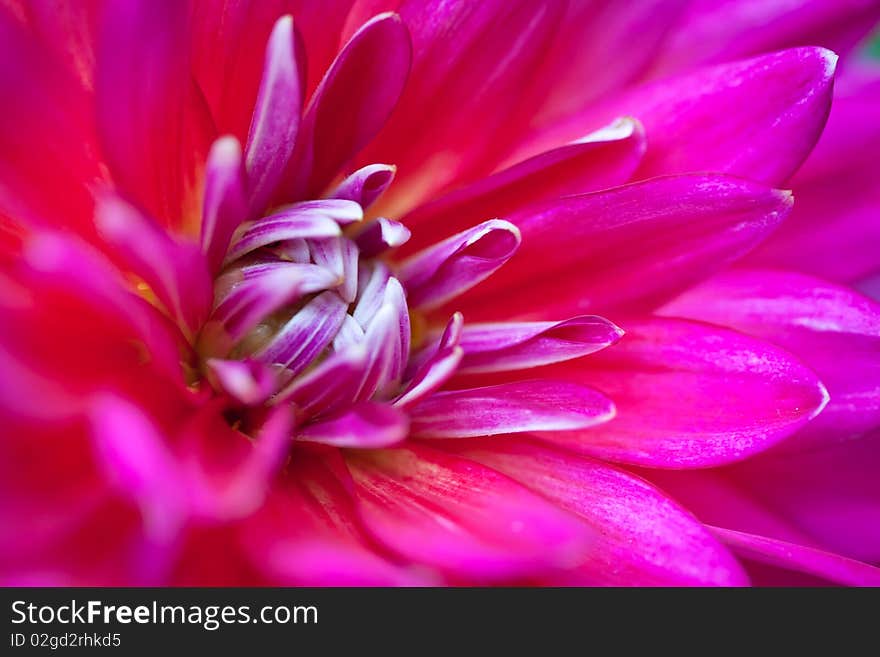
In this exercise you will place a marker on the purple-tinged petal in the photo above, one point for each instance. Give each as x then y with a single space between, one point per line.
177 273
339 256
781 99
455 265
224 206
605 158
333 382
280 227
515 346
248 382
276 117
643 538
353 100
306 334
372 280
350 334
381 235
386 340
832 329
296 250
515 407
800 558
366 425
258 296
625 249
366 184
434 365
461 517
691 395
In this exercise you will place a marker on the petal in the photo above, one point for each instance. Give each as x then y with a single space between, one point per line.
513 346
691 395
833 330
353 100
332 383
599 160
789 556
460 517
445 270
366 425
290 224
154 130
276 117
643 538
248 382
781 102
509 408
435 365
177 273
366 184
381 235
626 248
224 206
306 334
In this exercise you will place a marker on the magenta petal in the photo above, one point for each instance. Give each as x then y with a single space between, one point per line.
176 273
366 425
248 382
366 184
386 340
509 408
381 235
781 99
447 269
512 346
461 517
333 382
599 160
799 558
224 205
643 538
436 366
832 329
627 248
276 117
692 395
354 99
290 224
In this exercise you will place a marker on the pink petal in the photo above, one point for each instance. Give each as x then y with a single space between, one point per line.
627 248
353 100
288 224
367 425
224 205
176 272
832 329
509 408
789 556
643 538
333 382
461 517
276 117
435 365
154 130
599 160
381 235
781 100
445 270
512 346
691 395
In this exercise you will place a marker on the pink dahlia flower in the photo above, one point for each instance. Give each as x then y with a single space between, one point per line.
438 292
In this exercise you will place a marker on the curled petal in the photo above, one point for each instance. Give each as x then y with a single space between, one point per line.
224 205
248 382
332 383
381 235
366 184
513 346
287 225
455 265
437 366
510 408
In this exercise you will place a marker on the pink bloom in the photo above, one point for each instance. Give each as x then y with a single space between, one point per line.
421 292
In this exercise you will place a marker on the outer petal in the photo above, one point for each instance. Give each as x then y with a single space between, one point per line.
643 537
365 425
757 118
509 408
626 248
832 329
602 159
692 395
461 517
